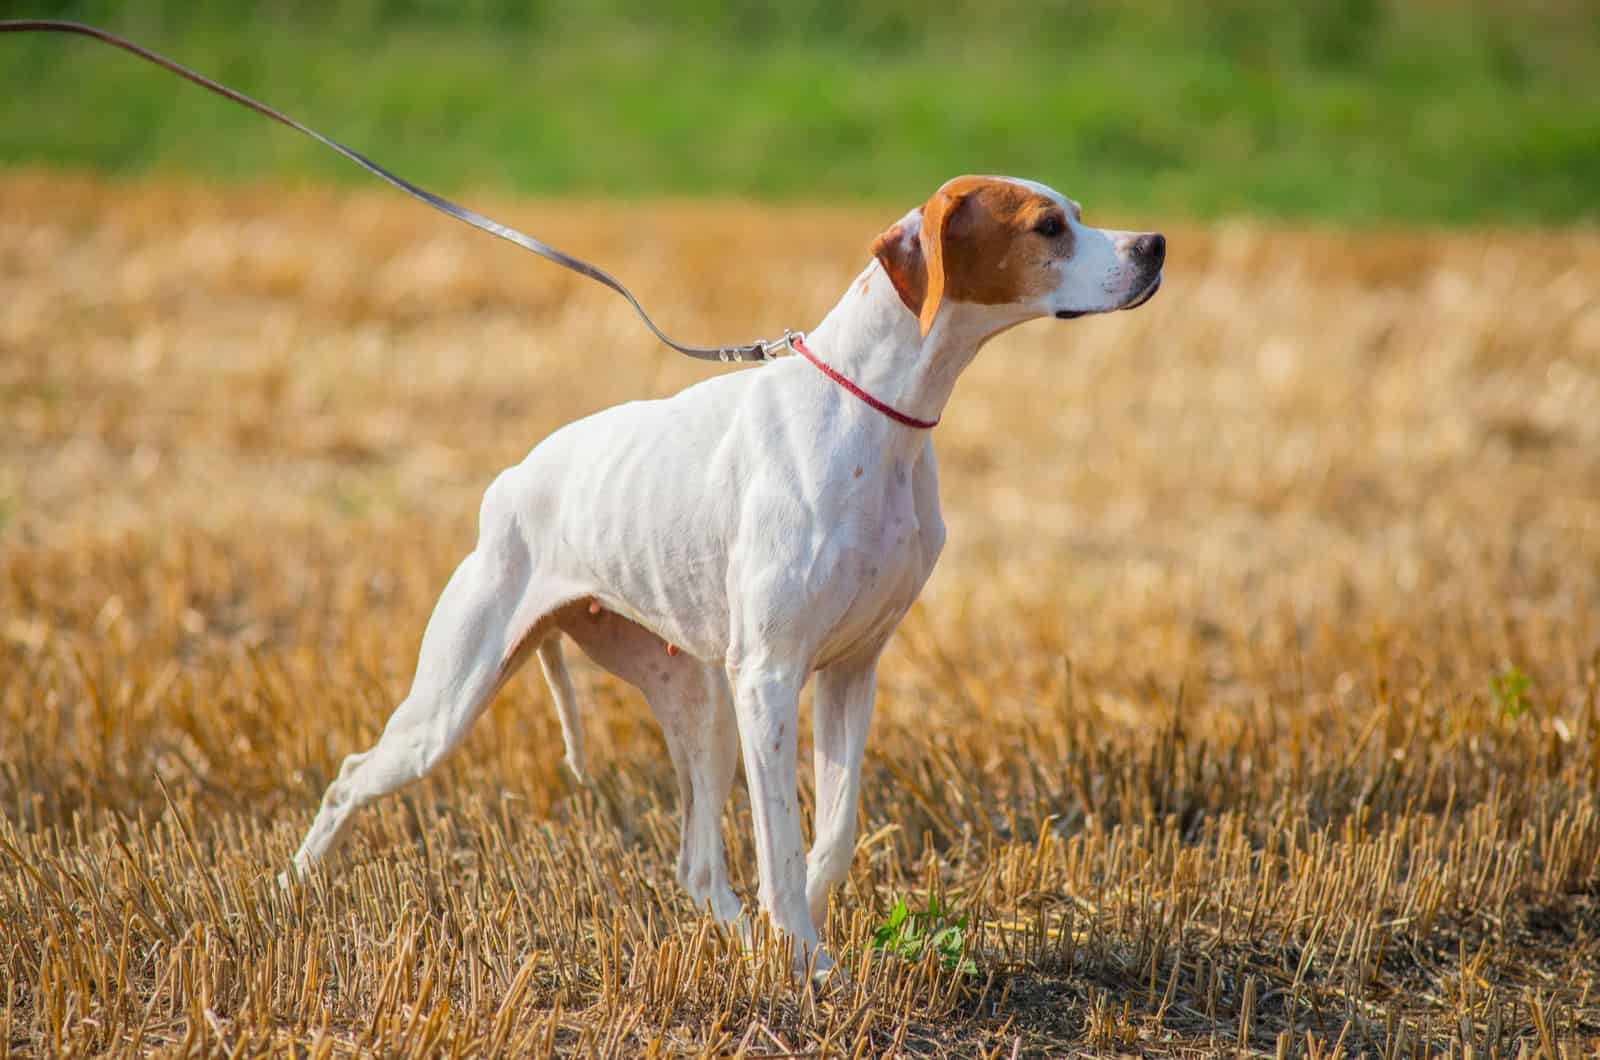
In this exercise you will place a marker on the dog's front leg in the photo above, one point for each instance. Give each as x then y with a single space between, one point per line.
766 700
841 712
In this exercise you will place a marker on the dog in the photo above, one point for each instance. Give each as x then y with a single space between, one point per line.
718 547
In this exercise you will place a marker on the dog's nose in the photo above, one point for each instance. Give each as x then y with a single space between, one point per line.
1152 247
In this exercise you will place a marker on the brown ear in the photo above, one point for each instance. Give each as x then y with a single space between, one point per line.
900 254
935 219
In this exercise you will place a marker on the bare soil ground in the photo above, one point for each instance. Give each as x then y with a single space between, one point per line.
1256 704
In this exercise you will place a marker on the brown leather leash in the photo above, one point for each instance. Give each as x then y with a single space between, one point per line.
759 350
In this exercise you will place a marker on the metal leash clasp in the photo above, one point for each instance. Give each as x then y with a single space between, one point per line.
762 349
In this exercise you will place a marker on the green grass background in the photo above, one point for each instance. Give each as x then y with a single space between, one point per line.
1344 110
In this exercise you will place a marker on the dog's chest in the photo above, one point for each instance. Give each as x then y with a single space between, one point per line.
883 560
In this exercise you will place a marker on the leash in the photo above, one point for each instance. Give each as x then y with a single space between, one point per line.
759 350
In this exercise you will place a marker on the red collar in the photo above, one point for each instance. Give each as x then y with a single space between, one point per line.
888 410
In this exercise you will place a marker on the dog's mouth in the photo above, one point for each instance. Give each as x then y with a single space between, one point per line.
1135 302
1144 296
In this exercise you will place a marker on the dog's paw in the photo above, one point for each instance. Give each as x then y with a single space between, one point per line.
294 876
743 928
815 964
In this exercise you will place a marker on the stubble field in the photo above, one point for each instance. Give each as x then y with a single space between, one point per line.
1255 703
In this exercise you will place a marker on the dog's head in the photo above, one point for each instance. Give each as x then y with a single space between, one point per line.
1017 246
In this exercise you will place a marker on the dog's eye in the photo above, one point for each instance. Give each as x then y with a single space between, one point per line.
1051 227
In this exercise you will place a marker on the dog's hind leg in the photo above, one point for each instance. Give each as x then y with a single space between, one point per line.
492 613
692 701
554 665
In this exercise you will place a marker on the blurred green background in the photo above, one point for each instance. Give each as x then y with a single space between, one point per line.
1345 110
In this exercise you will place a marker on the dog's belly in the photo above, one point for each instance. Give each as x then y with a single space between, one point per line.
653 558
620 506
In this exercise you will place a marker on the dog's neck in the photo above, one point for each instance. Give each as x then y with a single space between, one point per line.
873 340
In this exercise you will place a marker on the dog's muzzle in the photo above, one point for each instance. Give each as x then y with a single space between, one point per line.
1146 293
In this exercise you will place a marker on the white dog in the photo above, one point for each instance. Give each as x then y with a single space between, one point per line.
717 547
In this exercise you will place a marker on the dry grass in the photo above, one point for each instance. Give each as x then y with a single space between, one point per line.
1195 722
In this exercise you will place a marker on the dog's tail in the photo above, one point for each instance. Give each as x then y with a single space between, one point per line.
554 665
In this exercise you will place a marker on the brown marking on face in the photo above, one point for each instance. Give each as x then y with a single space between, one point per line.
996 242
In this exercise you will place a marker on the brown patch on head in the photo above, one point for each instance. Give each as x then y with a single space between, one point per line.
990 242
